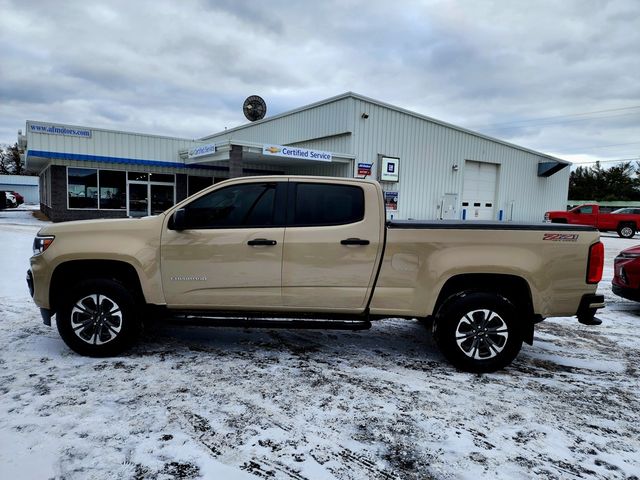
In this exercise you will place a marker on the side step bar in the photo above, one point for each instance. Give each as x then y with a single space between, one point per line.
244 322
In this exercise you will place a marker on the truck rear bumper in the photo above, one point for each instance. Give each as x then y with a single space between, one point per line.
589 305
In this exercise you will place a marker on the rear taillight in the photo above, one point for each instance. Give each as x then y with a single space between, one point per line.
595 263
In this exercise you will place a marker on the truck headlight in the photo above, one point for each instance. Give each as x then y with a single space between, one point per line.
41 243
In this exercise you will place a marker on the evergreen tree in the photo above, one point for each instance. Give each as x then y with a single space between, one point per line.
620 182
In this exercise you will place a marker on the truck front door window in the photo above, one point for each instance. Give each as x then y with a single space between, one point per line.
245 205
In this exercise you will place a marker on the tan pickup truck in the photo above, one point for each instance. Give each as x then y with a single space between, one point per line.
314 247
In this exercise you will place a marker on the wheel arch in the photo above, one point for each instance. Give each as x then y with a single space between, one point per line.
632 223
514 288
63 276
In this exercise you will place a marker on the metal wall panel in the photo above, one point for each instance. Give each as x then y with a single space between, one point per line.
109 143
428 151
351 124
325 127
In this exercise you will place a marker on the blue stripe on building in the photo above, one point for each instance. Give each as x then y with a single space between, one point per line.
118 160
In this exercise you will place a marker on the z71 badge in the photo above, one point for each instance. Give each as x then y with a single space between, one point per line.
561 237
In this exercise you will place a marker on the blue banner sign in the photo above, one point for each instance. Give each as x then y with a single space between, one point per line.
202 150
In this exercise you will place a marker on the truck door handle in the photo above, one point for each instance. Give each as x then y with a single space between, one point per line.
261 241
354 241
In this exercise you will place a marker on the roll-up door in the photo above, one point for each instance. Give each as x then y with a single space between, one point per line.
479 191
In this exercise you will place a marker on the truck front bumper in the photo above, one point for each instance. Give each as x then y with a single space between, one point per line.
44 312
589 305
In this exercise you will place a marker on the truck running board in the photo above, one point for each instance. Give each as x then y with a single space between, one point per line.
293 323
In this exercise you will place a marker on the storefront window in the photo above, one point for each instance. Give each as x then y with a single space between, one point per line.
162 177
198 183
138 176
161 198
82 187
113 190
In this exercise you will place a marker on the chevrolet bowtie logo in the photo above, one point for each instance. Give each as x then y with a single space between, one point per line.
273 150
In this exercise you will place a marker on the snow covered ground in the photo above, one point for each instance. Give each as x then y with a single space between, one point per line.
233 403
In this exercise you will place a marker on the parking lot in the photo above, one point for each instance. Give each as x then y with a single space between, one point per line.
194 402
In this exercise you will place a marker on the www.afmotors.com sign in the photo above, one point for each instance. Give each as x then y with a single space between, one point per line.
295 152
59 130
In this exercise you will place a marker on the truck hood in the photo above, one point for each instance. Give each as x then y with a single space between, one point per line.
111 225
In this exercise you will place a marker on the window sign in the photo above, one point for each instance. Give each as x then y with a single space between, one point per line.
364 169
391 201
389 169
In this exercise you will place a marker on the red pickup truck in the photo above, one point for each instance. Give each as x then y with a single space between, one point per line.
625 221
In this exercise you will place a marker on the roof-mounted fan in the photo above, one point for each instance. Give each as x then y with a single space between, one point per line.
254 108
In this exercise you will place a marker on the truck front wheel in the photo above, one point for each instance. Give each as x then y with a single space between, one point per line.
98 318
477 331
626 230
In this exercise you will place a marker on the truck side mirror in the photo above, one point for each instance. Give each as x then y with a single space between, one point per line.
179 220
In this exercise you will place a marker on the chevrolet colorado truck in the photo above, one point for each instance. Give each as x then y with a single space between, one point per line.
625 221
314 247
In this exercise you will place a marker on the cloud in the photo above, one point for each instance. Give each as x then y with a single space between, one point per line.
183 69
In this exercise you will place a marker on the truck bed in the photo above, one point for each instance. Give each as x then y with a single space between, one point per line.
486 225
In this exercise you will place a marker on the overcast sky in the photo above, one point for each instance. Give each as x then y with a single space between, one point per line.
529 72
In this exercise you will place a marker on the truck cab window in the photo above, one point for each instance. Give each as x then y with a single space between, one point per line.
586 210
318 204
238 206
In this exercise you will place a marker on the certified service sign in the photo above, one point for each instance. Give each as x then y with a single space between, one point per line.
296 152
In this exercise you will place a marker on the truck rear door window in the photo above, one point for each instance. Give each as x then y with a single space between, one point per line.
237 206
318 204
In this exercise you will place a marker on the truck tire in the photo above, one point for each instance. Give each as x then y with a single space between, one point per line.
98 318
478 331
626 230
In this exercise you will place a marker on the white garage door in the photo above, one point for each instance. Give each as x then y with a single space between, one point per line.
479 192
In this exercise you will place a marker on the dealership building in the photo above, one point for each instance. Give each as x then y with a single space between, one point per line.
428 169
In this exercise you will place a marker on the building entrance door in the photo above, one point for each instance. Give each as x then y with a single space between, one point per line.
449 207
138 199
149 198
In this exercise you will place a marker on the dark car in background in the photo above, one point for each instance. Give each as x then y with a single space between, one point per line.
626 274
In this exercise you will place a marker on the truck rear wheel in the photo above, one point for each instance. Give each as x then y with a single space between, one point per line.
478 331
98 318
626 230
